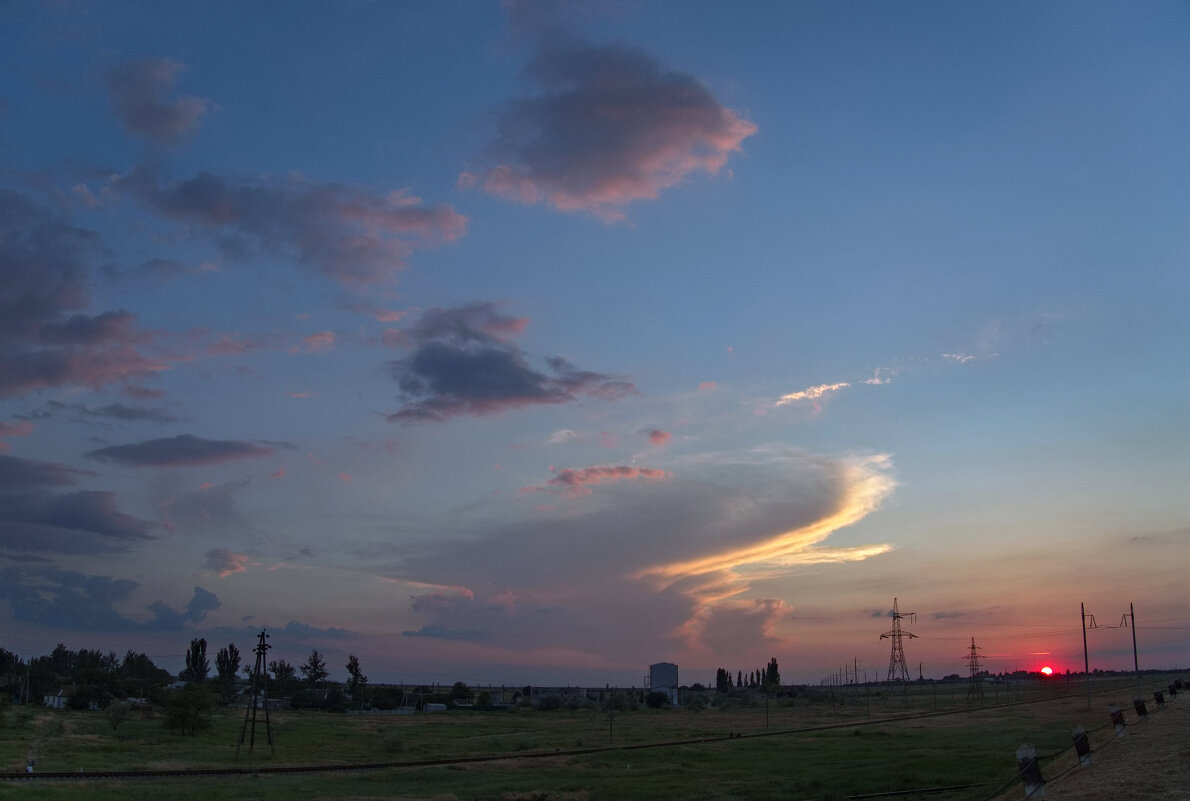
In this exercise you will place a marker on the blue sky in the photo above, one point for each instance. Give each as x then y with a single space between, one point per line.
536 343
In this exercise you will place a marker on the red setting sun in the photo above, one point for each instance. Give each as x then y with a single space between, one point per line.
1047 670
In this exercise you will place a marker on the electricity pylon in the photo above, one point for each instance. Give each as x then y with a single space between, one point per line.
259 697
975 688
896 659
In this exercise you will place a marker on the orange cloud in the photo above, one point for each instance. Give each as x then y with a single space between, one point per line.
866 483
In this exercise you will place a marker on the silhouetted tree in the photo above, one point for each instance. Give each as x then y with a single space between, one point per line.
198 667
314 669
227 665
772 676
355 678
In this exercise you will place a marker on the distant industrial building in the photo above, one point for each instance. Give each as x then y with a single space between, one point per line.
663 677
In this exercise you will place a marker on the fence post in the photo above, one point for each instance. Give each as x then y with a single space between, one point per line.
1082 745
1117 717
1173 691
1026 762
1159 697
1139 705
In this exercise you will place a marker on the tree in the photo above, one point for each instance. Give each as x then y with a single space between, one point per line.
356 678
284 674
739 678
314 669
772 676
722 681
227 664
198 667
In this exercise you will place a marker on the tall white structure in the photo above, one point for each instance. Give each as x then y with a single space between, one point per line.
663 677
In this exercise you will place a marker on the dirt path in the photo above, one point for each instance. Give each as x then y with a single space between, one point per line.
1151 761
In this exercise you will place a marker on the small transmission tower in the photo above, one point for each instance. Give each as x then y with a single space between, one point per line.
259 697
897 669
975 687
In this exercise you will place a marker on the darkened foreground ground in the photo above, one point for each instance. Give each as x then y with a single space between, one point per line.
814 746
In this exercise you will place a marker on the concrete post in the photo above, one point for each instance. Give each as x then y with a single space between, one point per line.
1159 697
1117 717
1082 745
1139 705
1030 771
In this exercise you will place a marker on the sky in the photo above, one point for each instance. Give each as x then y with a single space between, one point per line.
536 343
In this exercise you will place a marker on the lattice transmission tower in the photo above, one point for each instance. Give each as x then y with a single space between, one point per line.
975 687
897 669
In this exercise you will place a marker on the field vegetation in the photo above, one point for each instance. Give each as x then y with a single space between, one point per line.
821 743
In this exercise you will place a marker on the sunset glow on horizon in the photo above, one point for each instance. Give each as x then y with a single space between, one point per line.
536 343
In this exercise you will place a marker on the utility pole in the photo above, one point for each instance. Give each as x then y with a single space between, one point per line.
896 659
258 697
1135 660
1086 660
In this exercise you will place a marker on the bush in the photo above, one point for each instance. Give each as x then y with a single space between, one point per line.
550 703
189 710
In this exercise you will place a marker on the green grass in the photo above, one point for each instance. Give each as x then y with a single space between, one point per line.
774 762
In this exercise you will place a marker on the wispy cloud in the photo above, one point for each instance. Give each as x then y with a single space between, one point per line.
577 482
182 450
462 363
342 231
608 126
811 393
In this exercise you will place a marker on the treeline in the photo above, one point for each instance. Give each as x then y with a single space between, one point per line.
767 678
94 678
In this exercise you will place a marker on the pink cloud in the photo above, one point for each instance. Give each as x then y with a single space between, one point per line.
658 437
300 394
278 474
610 126
708 386
376 312
321 342
576 482
345 476
225 562
607 439
21 428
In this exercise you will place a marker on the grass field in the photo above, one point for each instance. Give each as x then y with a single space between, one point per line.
879 743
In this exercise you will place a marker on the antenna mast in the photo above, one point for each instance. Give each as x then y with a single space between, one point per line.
897 669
